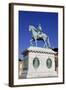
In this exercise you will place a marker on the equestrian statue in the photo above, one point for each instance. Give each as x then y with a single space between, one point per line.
37 34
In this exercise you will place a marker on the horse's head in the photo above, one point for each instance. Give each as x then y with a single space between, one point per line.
32 28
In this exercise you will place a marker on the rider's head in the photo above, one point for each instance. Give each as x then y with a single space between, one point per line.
39 24
39 27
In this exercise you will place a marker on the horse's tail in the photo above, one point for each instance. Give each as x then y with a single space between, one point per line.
48 42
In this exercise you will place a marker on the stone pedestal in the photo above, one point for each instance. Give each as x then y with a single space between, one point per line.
39 62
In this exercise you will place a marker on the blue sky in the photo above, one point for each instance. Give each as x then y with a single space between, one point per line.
48 21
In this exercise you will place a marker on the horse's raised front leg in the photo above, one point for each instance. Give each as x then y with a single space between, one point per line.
31 42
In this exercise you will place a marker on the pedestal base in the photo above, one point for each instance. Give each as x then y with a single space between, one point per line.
42 74
40 62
